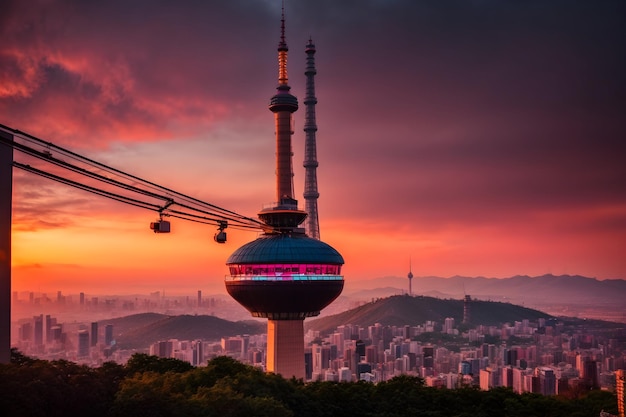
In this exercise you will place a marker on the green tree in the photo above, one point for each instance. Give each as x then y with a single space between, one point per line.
31 387
140 362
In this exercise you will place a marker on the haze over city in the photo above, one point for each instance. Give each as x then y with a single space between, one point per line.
476 138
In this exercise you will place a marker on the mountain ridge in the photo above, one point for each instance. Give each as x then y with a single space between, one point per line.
138 331
400 310
519 288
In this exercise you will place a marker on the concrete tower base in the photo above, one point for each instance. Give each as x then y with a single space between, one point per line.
285 348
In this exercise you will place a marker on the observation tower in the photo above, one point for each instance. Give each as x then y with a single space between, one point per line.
410 277
284 275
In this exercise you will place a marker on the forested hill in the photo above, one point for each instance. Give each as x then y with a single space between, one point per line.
401 310
140 330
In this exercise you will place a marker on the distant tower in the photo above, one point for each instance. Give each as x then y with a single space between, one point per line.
410 277
284 275
467 309
310 148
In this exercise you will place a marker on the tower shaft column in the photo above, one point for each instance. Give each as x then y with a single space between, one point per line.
284 171
285 348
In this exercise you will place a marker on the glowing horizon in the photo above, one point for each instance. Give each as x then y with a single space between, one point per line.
471 154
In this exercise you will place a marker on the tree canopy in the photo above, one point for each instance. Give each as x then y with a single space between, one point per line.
155 387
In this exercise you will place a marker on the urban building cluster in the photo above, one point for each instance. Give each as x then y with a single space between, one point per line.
75 327
250 349
544 359
541 357
47 338
82 303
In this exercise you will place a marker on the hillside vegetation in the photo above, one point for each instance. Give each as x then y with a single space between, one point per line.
403 310
140 330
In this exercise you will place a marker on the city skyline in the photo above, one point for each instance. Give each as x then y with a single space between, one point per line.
527 342
476 139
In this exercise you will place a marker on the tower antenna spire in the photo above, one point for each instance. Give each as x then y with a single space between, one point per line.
283 104
282 23
282 52
310 147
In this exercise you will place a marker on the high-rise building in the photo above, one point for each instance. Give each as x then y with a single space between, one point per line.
232 345
360 348
165 348
50 321
591 374
197 353
94 333
518 376
38 330
284 275
26 332
345 374
108 334
56 334
448 325
83 343
465 368
547 381
507 377
371 354
487 378
509 357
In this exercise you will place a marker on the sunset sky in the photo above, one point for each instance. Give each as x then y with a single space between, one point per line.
474 137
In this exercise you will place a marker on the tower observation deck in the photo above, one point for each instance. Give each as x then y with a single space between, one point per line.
284 275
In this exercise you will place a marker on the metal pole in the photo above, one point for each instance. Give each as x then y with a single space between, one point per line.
6 199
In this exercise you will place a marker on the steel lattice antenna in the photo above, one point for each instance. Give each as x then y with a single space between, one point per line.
310 148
